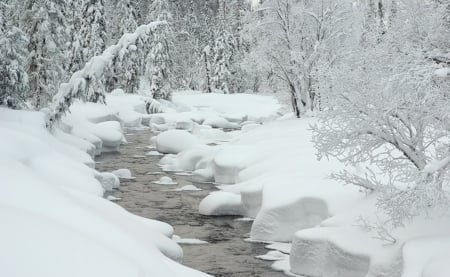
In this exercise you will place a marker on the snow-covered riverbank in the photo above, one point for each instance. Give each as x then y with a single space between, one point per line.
263 163
55 221
269 172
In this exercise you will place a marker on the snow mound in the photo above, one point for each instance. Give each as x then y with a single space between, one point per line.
315 253
280 223
123 173
175 141
221 203
153 153
165 180
188 188
109 181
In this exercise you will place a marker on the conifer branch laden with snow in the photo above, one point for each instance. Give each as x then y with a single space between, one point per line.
86 84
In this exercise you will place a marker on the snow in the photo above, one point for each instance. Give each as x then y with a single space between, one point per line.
221 203
436 165
109 181
188 188
273 256
313 253
113 198
426 257
282 199
94 69
175 141
96 122
52 202
280 246
243 106
220 122
442 72
123 173
209 135
188 241
267 173
165 180
153 153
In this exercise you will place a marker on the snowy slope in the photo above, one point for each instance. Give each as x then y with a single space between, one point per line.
55 221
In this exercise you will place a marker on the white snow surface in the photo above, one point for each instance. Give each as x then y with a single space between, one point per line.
270 172
123 173
55 221
188 188
188 241
267 172
165 180
242 106
175 141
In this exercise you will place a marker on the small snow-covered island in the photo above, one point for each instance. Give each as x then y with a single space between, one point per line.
269 138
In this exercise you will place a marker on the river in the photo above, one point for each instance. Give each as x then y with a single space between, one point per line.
225 254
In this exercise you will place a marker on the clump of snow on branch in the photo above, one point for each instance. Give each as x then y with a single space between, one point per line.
86 83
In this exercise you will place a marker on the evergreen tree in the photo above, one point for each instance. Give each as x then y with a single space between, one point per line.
159 10
160 63
45 44
93 28
13 77
223 52
75 54
125 18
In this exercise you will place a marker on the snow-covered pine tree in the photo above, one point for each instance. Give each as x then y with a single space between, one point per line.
93 28
159 10
45 45
159 64
206 59
223 53
159 60
13 77
75 51
125 71
125 18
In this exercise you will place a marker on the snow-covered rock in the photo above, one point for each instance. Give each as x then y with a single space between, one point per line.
109 181
221 203
165 180
123 173
175 141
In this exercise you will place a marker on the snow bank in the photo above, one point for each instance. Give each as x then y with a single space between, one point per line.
234 107
55 221
101 125
195 112
282 185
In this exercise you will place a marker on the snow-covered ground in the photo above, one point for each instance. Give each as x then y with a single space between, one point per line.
267 169
55 221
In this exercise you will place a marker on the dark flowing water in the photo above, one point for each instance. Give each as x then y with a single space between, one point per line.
226 254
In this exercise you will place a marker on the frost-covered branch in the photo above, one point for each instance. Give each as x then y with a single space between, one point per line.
380 228
367 182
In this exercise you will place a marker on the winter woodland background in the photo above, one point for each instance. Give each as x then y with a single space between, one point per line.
373 74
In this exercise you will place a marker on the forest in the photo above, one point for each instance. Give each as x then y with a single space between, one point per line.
363 85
